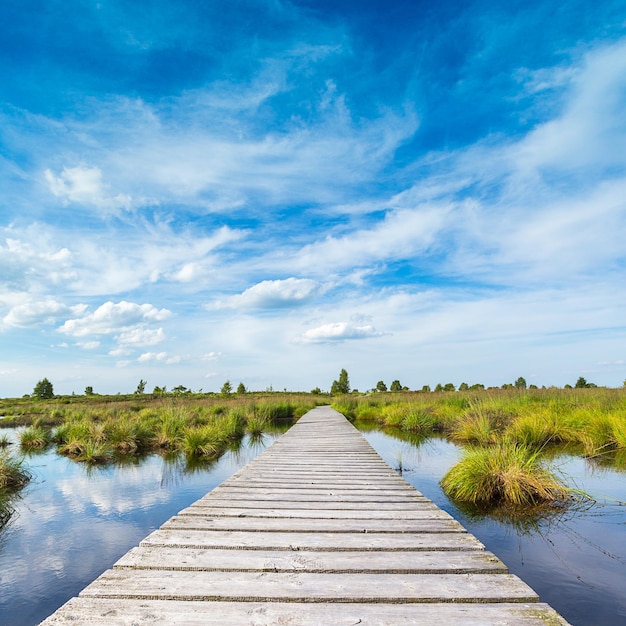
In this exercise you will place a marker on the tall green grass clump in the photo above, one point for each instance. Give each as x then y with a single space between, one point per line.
35 438
168 431
347 406
604 432
420 420
504 474
13 474
482 422
127 435
540 428
202 441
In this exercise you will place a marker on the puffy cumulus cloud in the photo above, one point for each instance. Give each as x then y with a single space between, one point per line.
126 319
35 312
141 337
84 185
161 357
30 257
339 331
274 294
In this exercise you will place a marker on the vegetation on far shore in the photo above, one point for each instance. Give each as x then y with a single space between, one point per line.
507 435
506 432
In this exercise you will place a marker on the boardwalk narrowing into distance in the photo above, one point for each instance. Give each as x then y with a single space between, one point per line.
316 530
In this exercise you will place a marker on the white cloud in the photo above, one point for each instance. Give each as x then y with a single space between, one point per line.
590 131
84 185
402 234
33 313
338 331
88 345
127 322
152 356
31 260
274 294
141 337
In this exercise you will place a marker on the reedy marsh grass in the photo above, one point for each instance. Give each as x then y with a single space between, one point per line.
35 437
503 473
100 430
13 474
508 434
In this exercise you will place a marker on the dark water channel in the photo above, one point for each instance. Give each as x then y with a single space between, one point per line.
72 523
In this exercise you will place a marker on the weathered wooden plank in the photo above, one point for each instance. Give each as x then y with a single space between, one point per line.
317 495
123 612
318 505
427 510
210 539
308 587
431 561
437 523
356 487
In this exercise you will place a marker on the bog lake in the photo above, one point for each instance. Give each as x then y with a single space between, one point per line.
73 521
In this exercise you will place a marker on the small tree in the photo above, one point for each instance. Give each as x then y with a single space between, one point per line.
380 386
449 387
520 383
89 390
241 389
463 387
342 385
43 390
141 387
316 392
438 388
396 386
227 389
425 389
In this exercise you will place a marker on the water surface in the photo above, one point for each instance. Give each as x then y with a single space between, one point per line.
73 522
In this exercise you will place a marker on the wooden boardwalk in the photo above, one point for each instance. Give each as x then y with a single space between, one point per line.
316 530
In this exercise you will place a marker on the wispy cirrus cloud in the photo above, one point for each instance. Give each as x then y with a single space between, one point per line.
456 175
84 186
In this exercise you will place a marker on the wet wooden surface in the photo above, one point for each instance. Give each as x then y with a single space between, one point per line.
316 530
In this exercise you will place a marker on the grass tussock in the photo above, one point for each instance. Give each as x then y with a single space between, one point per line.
35 438
503 474
13 474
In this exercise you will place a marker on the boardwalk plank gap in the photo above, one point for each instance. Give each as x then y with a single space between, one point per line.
316 530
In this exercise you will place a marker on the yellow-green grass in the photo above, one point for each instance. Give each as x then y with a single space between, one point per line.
13 474
503 474
35 438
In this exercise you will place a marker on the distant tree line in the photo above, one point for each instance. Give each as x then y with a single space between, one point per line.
44 389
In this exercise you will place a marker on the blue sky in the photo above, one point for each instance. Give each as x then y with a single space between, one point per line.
269 191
